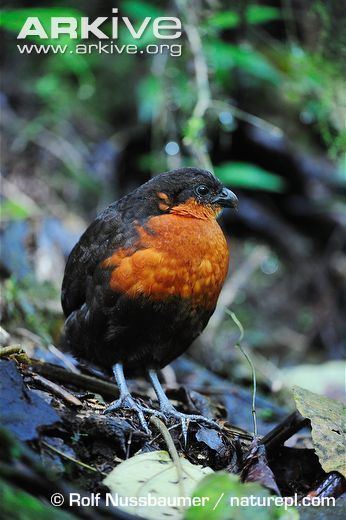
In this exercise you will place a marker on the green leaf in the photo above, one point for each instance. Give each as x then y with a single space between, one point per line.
327 418
140 10
225 20
11 210
223 57
221 488
194 127
20 505
247 175
13 20
156 475
257 14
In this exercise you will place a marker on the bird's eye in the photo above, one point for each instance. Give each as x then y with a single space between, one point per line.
202 190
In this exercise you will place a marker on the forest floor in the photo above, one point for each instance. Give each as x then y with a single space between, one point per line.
56 439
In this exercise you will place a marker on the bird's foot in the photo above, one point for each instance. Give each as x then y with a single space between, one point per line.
129 403
169 411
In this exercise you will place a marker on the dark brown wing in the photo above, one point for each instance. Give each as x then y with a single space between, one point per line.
103 236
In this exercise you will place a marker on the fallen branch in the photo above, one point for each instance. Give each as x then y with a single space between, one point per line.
57 390
81 381
283 431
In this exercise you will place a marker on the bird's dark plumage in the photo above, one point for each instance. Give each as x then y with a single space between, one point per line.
144 278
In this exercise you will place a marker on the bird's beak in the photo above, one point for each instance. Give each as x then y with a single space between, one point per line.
226 198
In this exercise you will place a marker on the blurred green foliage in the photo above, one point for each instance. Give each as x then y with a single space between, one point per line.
224 57
13 20
19 505
13 210
289 81
221 487
254 14
247 175
280 69
27 305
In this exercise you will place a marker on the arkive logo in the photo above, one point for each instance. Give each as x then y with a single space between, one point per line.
163 27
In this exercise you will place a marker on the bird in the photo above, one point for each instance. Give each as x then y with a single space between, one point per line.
143 281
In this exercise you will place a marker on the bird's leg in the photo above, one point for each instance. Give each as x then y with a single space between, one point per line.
126 400
168 409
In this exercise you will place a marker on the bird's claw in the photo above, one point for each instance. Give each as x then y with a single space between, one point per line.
128 402
185 419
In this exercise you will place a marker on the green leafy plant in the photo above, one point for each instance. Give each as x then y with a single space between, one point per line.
19 504
224 57
254 14
250 176
14 19
220 488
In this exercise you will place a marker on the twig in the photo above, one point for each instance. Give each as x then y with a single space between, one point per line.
201 67
245 354
283 431
57 390
71 459
149 443
171 448
197 143
61 375
246 116
197 140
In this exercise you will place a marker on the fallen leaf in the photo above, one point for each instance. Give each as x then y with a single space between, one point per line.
154 474
256 468
211 438
22 411
328 427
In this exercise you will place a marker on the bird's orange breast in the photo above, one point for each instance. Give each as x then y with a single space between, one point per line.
175 255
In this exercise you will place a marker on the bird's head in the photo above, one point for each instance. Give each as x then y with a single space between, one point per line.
189 192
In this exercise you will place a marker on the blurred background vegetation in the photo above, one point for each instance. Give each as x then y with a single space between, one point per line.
258 95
